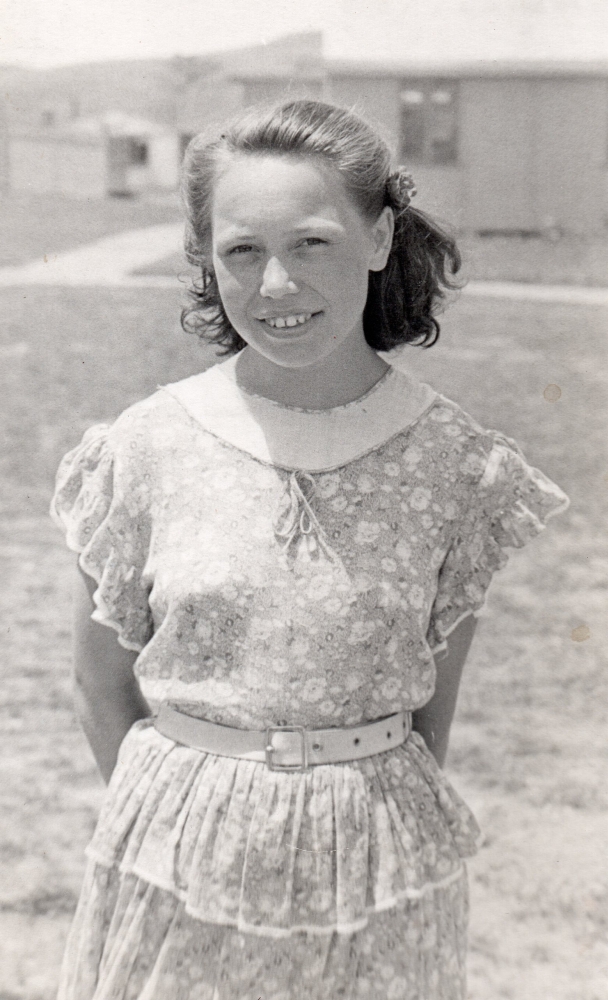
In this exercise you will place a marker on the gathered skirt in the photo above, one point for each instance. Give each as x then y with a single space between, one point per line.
133 941
215 879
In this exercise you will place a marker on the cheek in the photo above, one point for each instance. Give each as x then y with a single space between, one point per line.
347 282
231 288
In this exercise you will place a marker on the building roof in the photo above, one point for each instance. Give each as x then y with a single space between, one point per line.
466 70
115 123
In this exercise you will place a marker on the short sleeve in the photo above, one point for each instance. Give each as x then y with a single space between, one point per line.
103 521
510 506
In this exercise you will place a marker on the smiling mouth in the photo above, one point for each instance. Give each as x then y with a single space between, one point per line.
293 320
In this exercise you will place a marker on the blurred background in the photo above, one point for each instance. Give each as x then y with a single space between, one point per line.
501 112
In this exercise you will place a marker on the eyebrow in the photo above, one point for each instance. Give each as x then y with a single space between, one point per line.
309 224
318 224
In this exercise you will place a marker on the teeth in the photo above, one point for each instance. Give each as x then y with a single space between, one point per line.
281 321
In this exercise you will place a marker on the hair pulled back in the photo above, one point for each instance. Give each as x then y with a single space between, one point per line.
402 298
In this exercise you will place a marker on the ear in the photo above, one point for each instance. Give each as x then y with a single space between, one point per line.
383 230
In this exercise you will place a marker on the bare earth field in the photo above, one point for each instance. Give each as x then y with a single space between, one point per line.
529 749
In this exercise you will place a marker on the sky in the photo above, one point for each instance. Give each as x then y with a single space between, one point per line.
41 33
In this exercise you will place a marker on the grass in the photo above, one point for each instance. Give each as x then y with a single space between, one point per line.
73 357
528 749
34 225
567 259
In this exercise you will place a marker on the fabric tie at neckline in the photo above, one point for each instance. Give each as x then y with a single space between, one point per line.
296 527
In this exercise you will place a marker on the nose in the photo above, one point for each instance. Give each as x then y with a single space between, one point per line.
276 281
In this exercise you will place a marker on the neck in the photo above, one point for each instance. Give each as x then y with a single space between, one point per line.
343 376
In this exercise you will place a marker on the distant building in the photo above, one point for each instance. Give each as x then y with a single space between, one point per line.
518 146
289 67
114 153
511 147
496 148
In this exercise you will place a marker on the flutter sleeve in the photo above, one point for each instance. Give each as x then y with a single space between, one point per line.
107 524
509 506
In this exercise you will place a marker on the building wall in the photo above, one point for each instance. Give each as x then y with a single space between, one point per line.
440 191
375 98
160 169
45 164
571 147
164 153
532 152
4 171
496 154
439 188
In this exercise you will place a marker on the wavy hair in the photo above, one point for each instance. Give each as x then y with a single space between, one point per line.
403 298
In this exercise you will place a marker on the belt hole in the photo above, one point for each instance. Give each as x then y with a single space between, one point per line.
316 746
388 736
356 740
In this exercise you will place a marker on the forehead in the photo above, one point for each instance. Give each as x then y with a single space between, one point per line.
253 190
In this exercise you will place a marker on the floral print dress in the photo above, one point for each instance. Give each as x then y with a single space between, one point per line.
274 565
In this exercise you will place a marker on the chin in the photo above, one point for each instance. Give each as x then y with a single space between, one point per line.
292 356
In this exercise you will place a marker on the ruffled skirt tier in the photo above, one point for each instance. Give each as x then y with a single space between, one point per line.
133 941
274 852
211 878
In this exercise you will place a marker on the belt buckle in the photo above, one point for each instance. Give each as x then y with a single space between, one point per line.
269 749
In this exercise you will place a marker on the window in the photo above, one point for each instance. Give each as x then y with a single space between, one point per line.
138 153
429 132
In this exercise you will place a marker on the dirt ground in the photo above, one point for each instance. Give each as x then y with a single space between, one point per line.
528 751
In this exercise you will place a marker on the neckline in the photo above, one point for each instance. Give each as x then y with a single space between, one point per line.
309 440
229 369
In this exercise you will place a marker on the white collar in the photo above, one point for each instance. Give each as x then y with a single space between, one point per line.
293 438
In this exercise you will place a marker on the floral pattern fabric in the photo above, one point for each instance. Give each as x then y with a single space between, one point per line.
416 951
258 595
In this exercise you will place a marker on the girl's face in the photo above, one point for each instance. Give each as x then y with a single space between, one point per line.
292 255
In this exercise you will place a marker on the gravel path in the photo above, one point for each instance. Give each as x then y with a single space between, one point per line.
105 262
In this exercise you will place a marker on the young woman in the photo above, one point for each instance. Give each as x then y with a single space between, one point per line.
292 547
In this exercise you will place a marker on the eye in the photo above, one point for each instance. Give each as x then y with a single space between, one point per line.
241 248
312 241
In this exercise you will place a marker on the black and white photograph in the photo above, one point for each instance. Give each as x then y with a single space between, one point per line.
304 561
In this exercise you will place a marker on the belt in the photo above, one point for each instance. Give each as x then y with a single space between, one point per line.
285 748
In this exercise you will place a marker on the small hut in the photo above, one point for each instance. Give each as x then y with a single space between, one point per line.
114 153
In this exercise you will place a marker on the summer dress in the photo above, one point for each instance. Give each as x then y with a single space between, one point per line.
275 565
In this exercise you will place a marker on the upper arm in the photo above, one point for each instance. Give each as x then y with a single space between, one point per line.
434 719
100 662
449 663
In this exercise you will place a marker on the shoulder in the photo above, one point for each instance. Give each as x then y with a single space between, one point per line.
456 438
490 471
142 414
147 426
